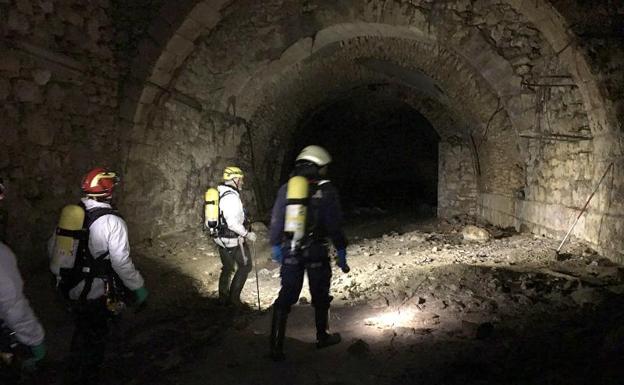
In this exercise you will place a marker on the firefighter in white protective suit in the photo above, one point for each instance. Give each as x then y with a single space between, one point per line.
97 297
16 315
232 237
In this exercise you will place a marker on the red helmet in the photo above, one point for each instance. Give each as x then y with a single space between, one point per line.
99 183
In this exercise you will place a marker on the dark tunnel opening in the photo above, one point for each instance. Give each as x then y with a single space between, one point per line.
385 154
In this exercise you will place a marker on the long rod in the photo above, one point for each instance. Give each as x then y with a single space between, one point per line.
584 207
253 260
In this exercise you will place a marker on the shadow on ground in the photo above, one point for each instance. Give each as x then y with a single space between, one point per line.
530 345
472 324
175 327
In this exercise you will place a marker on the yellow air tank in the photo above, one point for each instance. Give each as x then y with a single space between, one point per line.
296 209
211 210
65 246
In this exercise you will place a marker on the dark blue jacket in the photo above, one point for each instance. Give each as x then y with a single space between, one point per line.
324 214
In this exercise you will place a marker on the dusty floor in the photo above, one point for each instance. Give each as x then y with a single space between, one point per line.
420 305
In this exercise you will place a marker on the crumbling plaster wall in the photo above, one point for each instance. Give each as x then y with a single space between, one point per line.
179 155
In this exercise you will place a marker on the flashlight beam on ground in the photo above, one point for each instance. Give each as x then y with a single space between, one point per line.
403 317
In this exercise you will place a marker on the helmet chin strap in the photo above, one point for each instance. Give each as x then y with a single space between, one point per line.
231 183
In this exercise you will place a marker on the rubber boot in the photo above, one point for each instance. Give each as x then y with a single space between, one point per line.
323 338
278 331
224 289
236 288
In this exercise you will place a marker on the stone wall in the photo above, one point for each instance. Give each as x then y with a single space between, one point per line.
270 73
599 31
58 110
237 66
457 180
171 164
565 153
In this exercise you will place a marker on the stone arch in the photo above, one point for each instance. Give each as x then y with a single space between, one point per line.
556 30
171 40
180 23
304 90
506 79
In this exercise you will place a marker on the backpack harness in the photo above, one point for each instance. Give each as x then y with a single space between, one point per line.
223 231
86 266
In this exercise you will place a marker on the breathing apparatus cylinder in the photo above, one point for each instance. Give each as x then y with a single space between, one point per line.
296 210
211 210
65 246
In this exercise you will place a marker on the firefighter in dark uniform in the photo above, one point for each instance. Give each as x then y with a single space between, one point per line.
323 222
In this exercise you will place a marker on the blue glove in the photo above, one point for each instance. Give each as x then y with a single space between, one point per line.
342 260
276 254
141 295
38 353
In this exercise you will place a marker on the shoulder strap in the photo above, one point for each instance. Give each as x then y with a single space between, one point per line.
224 231
314 228
98 267
94 214
228 192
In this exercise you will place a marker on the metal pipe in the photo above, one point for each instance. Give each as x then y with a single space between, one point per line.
547 85
584 207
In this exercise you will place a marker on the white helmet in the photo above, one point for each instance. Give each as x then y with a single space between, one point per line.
315 154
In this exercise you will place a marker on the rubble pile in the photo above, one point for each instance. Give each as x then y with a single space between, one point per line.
414 302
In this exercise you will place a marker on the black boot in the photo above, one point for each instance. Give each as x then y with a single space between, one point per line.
323 338
238 282
278 330
224 288
236 288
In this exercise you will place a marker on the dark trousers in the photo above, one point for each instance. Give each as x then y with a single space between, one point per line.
9 372
232 258
88 345
319 277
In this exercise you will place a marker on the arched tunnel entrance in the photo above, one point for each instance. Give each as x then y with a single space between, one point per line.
493 120
385 154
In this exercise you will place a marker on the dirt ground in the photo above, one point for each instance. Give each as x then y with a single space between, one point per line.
420 306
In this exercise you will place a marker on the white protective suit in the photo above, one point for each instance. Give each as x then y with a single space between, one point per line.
232 208
14 308
109 232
